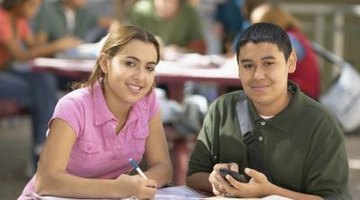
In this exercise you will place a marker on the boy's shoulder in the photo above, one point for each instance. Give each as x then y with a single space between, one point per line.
228 101
231 97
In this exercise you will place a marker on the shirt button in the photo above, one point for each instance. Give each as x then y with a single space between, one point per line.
263 123
261 138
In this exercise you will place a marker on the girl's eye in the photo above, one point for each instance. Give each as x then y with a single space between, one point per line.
150 68
130 63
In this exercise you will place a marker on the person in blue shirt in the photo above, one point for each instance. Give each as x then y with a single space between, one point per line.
229 22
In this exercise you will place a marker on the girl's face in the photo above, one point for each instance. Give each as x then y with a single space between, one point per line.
29 8
130 75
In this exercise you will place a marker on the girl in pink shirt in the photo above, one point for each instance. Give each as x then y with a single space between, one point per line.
97 128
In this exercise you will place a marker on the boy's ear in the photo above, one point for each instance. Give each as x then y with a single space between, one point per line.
291 62
104 63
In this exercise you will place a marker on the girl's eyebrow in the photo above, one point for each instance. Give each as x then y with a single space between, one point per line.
132 57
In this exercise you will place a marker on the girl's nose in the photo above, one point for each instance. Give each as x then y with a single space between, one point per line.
138 73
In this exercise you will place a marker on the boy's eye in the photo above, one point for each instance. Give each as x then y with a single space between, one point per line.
268 63
247 65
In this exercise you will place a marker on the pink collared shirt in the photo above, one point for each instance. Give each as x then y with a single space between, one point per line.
98 151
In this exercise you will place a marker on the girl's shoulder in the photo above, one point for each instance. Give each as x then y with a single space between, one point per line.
81 93
80 96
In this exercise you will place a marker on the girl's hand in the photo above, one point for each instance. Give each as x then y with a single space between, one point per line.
136 186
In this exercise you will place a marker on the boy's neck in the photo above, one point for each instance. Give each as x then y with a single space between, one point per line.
274 108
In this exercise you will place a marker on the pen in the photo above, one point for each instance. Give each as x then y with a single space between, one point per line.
137 168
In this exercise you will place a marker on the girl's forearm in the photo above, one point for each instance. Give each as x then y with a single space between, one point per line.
161 172
66 185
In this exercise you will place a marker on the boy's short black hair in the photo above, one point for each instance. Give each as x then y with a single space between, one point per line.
265 32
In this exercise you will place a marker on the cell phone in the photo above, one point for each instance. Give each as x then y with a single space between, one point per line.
237 176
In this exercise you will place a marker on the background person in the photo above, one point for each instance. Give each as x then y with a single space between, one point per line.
60 18
299 141
229 21
169 19
32 90
97 128
78 19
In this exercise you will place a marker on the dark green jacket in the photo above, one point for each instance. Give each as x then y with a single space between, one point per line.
303 145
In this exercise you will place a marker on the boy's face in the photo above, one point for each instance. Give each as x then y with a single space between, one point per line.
263 72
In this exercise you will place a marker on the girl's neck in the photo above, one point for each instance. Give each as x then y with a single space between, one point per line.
119 109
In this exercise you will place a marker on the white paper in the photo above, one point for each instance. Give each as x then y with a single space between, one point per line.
177 193
173 193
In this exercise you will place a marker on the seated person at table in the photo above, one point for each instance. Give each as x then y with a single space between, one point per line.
174 21
60 18
299 145
33 90
229 21
169 19
95 129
